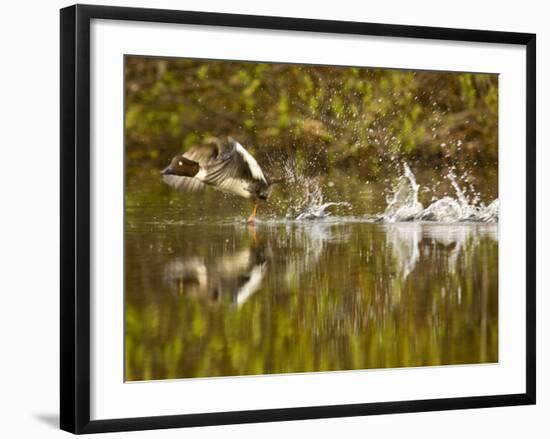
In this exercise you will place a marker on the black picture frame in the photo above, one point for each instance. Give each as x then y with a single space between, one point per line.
75 217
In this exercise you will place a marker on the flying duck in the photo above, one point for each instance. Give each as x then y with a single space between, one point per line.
224 165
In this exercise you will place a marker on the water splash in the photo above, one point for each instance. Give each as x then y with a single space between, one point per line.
404 204
490 213
315 211
307 200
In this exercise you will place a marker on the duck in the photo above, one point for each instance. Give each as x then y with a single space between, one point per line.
223 164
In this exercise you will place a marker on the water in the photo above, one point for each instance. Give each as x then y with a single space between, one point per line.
404 204
315 285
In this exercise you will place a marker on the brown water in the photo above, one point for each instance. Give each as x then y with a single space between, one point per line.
207 295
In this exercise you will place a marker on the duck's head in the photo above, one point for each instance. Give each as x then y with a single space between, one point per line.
182 167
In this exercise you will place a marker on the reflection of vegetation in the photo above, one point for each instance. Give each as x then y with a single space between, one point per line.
363 312
327 117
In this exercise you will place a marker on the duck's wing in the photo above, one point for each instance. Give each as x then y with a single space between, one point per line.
183 184
233 162
203 154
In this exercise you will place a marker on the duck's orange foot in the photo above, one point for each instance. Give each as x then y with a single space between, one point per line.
252 218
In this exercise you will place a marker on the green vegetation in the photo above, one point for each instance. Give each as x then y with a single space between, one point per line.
346 118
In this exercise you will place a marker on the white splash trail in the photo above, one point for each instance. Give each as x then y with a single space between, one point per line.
405 206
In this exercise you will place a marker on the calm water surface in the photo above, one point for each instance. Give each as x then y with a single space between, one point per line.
217 298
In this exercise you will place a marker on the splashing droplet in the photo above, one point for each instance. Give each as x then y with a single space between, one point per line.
404 204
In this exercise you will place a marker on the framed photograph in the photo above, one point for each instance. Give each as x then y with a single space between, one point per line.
268 218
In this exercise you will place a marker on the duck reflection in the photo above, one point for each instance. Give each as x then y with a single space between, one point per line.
236 274
234 277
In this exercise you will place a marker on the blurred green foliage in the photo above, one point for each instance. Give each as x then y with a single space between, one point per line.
322 116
